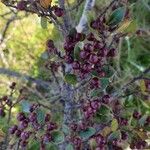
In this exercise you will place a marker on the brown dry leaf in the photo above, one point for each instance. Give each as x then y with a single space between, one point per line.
2 135
141 134
45 3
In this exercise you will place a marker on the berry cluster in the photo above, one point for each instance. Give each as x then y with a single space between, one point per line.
22 5
90 108
29 126
92 57
70 41
5 101
140 144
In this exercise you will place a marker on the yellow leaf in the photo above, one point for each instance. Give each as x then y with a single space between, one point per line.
124 26
127 26
106 131
141 134
142 86
114 125
45 3
92 144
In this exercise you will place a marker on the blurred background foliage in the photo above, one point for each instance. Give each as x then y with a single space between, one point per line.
25 44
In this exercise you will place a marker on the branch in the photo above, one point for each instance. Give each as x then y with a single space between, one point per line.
66 17
140 77
76 6
12 73
105 10
89 4
10 20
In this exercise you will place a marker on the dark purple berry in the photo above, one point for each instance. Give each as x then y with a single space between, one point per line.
90 37
12 86
124 135
76 65
93 58
13 129
59 12
111 53
2 112
21 116
33 117
23 144
4 98
80 37
18 133
51 126
77 142
47 138
23 124
105 99
94 83
84 54
8 102
74 126
25 135
136 115
21 5
95 104
47 117
87 67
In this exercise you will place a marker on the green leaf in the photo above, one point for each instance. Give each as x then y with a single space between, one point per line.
57 136
132 28
34 145
87 133
109 72
117 16
114 125
43 22
96 93
103 110
104 83
72 32
25 106
103 115
114 135
51 146
95 73
142 120
65 129
77 51
40 116
71 79
69 147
